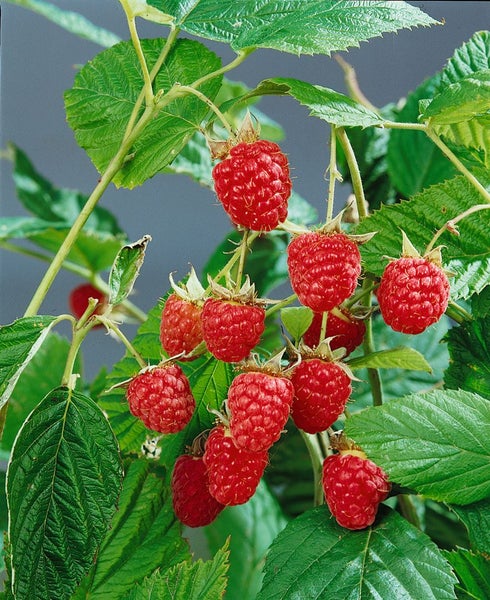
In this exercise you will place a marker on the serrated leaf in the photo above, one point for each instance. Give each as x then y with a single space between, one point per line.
466 255
19 342
125 269
395 358
62 486
473 572
445 455
251 528
144 536
472 56
70 21
476 518
470 137
186 581
480 303
469 349
106 90
310 27
314 557
296 320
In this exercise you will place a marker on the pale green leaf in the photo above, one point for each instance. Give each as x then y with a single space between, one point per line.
473 572
471 57
437 443
473 134
296 320
306 27
125 269
395 358
316 558
106 91
19 342
63 482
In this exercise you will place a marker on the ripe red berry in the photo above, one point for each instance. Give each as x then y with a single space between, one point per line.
353 486
180 326
193 504
162 398
259 405
413 294
79 297
231 329
234 473
321 391
347 333
323 268
253 185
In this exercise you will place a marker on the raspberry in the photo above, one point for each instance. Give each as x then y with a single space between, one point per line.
79 297
321 391
234 473
353 486
259 406
193 504
231 329
253 185
323 268
413 294
180 326
346 334
161 397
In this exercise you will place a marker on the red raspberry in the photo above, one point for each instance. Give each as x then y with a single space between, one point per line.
231 329
323 269
353 486
234 473
193 504
346 334
180 327
413 294
253 185
259 406
161 397
321 391
79 297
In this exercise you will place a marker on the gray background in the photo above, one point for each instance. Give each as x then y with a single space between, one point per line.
39 62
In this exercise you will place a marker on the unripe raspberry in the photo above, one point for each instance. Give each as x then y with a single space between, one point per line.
353 486
253 185
234 473
259 406
180 326
162 398
193 504
346 333
323 268
413 294
321 391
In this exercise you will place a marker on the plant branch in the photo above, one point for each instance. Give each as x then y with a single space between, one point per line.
334 174
147 88
110 325
354 172
352 84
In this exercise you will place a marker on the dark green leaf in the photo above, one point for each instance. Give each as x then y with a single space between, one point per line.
473 572
251 527
441 524
310 27
466 255
125 269
395 358
106 90
314 557
19 342
480 303
469 349
144 536
62 486
476 518
437 443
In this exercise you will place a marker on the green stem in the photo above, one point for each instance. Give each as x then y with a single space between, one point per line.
241 56
457 313
190 90
408 510
147 88
450 225
316 458
368 346
242 258
408 126
355 173
234 257
276 307
352 84
79 334
113 327
333 173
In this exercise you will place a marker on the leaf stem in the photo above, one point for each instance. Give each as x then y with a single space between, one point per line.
241 56
190 90
408 126
354 172
147 88
352 84
276 307
457 313
451 224
110 325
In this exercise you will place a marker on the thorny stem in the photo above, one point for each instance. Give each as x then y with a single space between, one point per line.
450 225
355 173
190 90
316 458
110 325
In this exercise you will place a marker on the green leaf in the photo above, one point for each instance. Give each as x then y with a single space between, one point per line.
314 557
186 581
42 374
396 358
19 342
125 269
310 27
106 90
296 320
476 518
466 255
469 349
63 482
480 303
437 443
71 21
144 536
472 56
473 572
251 527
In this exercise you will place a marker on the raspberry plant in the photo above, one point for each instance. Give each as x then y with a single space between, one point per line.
94 497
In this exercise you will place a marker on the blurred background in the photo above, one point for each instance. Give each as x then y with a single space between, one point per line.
38 63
